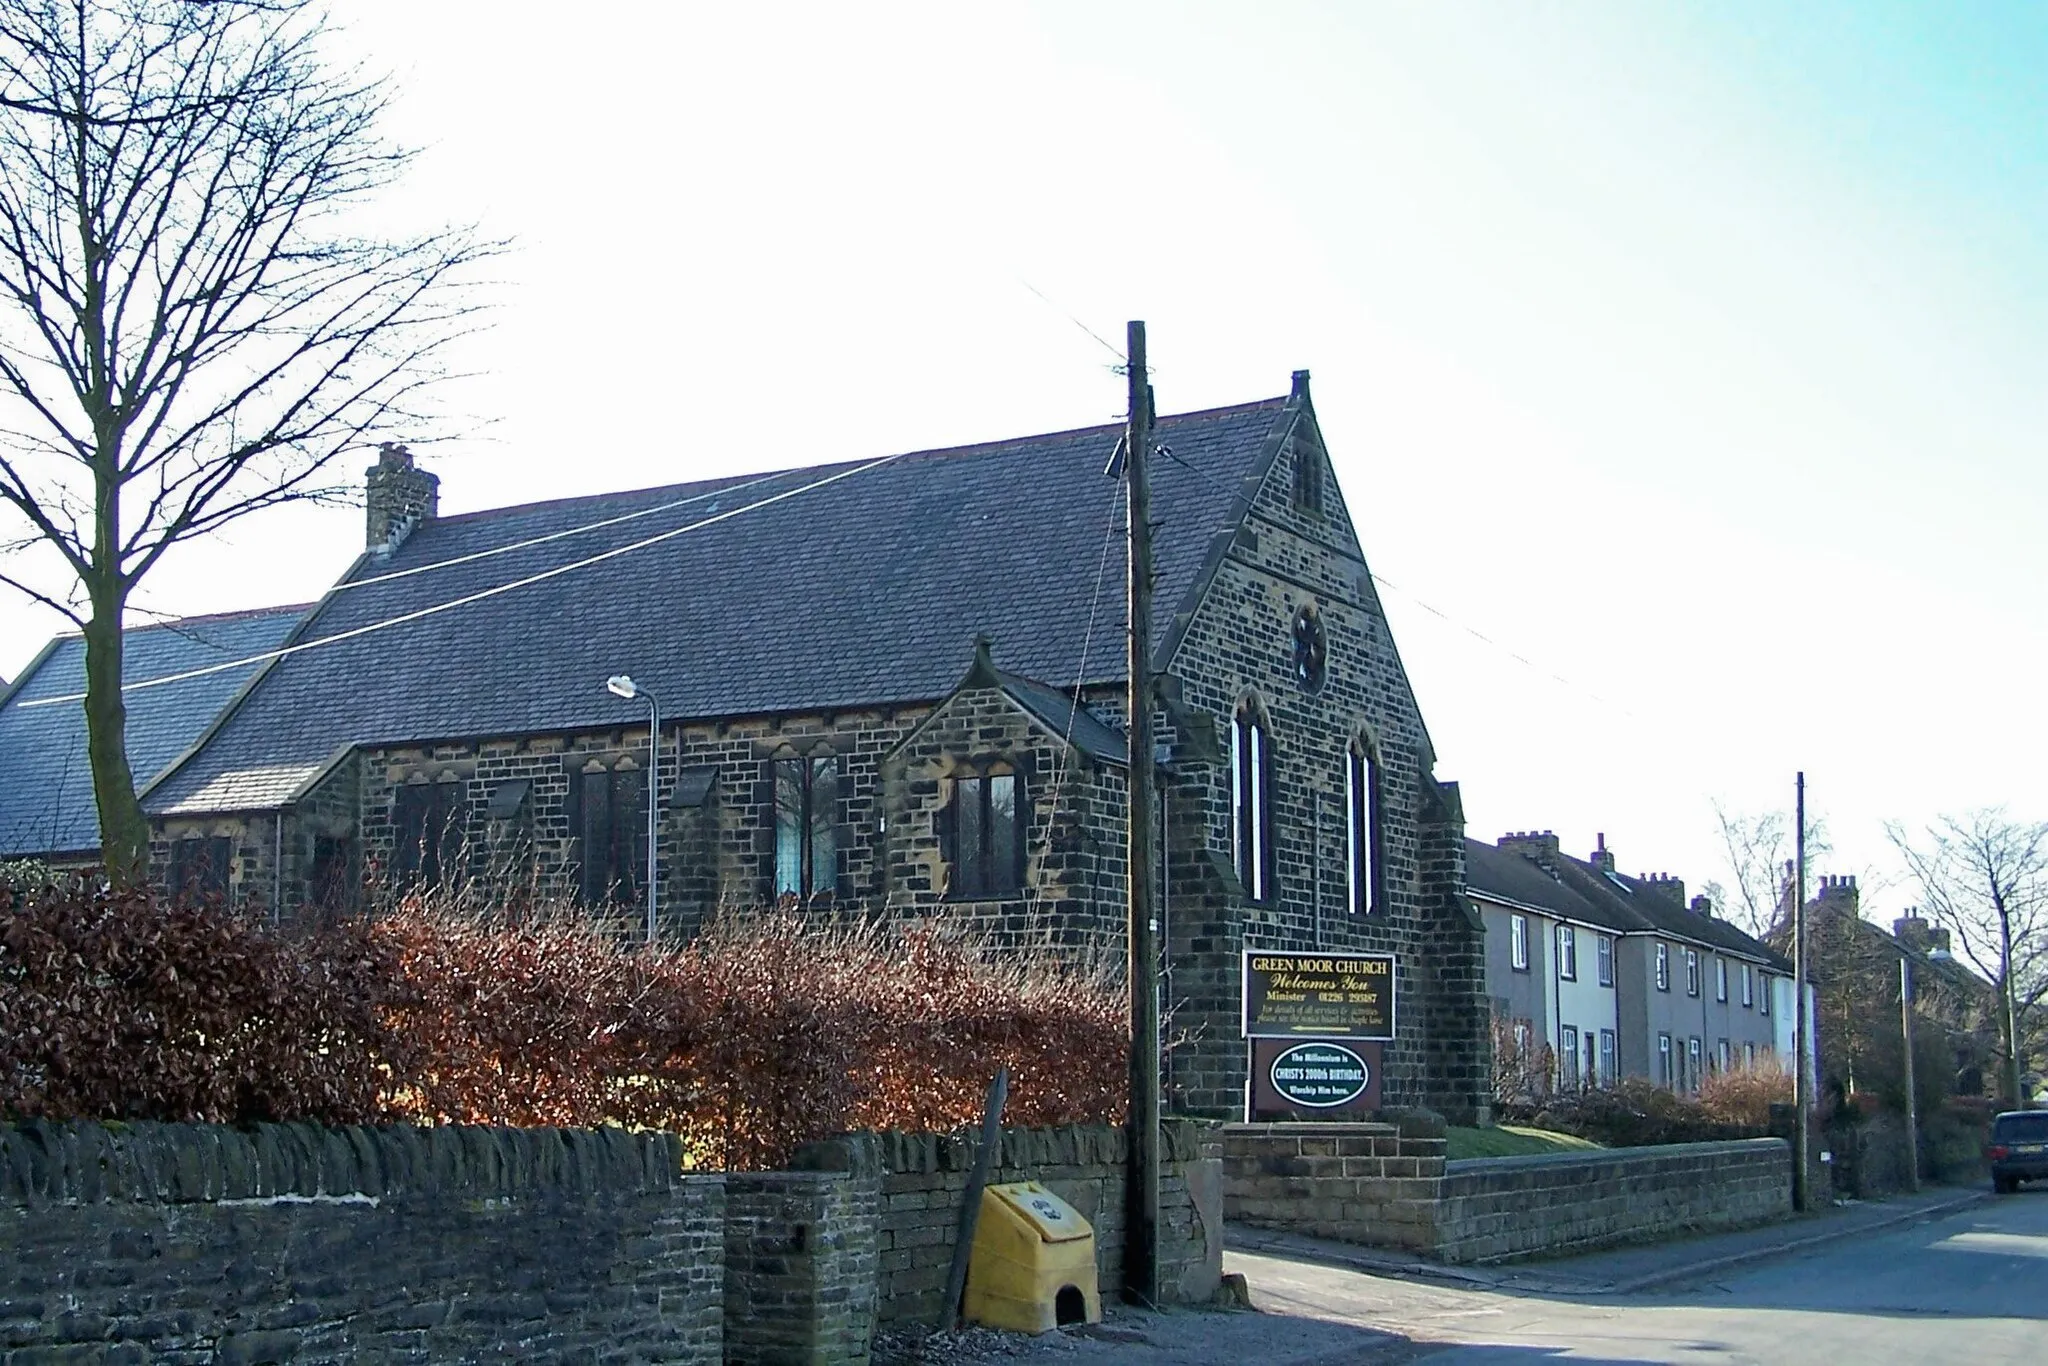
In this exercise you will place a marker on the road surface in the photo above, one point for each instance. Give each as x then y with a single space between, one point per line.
1968 1287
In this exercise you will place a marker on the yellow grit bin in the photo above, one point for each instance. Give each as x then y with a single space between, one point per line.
1033 1264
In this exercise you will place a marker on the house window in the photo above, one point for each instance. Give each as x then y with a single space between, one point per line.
199 868
1723 1057
985 834
1605 950
1763 997
1663 967
428 824
330 880
1664 1077
1568 1059
1362 831
1692 972
1608 1074
608 828
1567 953
1748 988
806 827
1692 1064
1749 1056
1518 942
1251 804
1720 979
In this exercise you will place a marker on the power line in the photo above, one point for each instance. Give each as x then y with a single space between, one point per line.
464 601
560 535
1120 359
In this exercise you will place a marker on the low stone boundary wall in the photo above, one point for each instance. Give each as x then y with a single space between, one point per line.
156 1242
1388 1185
200 1243
924 1179
1499 1208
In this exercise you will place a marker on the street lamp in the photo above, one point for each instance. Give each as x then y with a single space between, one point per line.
622 685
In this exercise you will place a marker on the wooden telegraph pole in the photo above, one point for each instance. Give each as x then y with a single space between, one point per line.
1802 1087
1141 1183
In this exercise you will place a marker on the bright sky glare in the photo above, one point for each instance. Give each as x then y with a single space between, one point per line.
1694 353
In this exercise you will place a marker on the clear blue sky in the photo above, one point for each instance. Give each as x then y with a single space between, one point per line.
1695 354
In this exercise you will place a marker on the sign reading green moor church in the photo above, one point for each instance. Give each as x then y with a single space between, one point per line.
1318 995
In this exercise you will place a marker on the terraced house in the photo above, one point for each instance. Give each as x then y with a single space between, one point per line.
1619 975
886 688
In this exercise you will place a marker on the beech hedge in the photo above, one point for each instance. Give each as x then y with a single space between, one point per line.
769 1030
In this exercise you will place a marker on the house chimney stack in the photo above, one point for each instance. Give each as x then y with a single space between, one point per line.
1672 889
1603 857
398 496
1538 846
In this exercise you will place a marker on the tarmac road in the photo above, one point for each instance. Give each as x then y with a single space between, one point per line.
1970 1286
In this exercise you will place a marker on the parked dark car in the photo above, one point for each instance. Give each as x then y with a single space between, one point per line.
2018 1150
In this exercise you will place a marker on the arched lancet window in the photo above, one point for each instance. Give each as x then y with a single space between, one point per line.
1362 826
984 832
1251 805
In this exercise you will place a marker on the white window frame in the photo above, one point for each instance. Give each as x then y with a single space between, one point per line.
1362 827
1764 1001
1692 973
1567 953
1748 988
1604 949
1663 967
1569 1076
1695 1054
1726 1055
1518 942
1251 802
1720 979
1609 1058
1666 1078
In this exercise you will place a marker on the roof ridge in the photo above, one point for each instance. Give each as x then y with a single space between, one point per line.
972 448
199 619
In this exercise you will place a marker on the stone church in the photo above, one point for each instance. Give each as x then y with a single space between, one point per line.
886 688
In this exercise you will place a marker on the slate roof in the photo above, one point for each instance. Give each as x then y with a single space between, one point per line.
46 802
1508 876
867 590
1576 890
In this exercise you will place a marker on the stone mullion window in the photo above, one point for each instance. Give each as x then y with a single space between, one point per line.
983 833
200 866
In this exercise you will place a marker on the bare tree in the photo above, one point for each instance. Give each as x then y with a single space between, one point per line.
1759 848
1985 878
192 328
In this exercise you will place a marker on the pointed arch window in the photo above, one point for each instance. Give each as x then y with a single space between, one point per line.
1251 805
1362 839
984 832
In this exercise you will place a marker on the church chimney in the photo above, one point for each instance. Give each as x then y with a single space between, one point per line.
399 496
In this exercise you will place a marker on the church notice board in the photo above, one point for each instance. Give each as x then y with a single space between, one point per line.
1318 995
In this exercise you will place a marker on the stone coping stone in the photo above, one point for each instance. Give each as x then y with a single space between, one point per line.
170 1164
1595 1157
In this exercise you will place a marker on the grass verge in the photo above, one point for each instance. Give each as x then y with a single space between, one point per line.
1510 1140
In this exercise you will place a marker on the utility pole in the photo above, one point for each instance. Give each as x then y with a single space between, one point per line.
1802 1088
1141 1182
1912 1101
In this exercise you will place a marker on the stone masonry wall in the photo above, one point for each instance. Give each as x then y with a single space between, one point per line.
1498 1208
1388 1185
1374 1184
800 1259
196 1243
924 1178
1236 649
